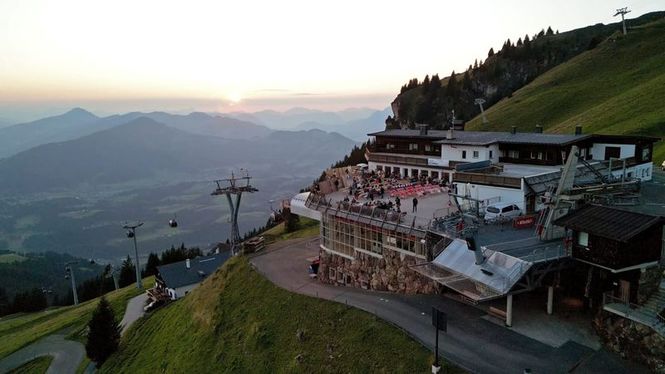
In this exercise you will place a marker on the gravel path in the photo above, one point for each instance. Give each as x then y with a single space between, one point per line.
67 355
134 311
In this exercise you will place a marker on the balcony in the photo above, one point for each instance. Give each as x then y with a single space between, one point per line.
488 179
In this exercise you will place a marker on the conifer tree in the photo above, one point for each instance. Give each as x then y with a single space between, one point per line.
549 31
490 53
103 333
127 272
151 264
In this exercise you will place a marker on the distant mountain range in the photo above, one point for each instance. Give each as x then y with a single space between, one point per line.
353 123
71 192
79 122
355 129
144 149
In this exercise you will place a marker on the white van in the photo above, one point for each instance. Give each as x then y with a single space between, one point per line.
499 210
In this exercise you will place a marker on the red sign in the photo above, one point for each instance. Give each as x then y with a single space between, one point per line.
523 222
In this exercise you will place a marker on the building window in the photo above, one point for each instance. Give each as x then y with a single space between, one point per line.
583 239
428 148
413 147
463 154
491 154
540 155
476 154
332 273
379 167
390 146
513 154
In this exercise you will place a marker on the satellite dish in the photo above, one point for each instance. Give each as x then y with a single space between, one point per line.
130 234
92 261
173 223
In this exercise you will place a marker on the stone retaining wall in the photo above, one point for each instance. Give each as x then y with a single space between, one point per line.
632 340
388 273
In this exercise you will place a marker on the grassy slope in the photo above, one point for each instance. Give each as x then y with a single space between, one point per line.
616 88
306 227
237 321
11 258
37 366
18 331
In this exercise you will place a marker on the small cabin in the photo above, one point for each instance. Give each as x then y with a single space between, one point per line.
617 243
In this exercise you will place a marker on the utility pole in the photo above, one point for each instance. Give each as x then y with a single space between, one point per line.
234 189
131 233
69 273
623 12
480 102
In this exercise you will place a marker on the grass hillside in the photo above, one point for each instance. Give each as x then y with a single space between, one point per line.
237 321
616 88
19 330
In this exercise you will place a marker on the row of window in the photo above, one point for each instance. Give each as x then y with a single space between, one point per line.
415 147
343 237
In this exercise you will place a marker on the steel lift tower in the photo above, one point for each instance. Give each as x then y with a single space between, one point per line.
623 12
234 187
480 102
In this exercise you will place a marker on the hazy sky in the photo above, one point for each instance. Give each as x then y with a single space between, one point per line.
247 55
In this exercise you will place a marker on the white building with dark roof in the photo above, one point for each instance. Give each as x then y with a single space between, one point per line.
178 278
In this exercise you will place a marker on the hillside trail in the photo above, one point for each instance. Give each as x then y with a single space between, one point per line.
67 354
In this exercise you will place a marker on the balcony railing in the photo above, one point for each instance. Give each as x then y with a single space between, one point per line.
488 179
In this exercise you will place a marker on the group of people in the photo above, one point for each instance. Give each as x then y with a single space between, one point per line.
387 205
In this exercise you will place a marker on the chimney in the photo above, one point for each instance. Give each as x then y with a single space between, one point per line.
450 134
423 129
539 129
513 130
471 242
187 264
578 130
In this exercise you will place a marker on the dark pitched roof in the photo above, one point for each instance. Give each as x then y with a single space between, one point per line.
616 224
177 275
485 137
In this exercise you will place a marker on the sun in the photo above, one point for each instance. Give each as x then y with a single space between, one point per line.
235 97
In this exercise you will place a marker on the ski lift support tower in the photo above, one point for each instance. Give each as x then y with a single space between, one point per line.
234 187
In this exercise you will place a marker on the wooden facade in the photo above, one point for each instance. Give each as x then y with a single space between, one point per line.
613 254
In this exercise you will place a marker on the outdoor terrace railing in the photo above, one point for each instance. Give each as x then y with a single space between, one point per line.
546 252
489 179
632 311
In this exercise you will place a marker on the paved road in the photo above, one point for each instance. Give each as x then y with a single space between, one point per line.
67 355
134 311
471 342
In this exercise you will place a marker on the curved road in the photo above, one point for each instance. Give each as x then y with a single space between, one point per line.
67 354
471 342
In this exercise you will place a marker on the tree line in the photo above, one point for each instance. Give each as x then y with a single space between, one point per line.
432 100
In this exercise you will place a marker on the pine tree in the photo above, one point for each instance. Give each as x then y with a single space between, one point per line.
490 53
549 31
151 265
291 221
103 333
127 273
466 80
451 89
435 83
